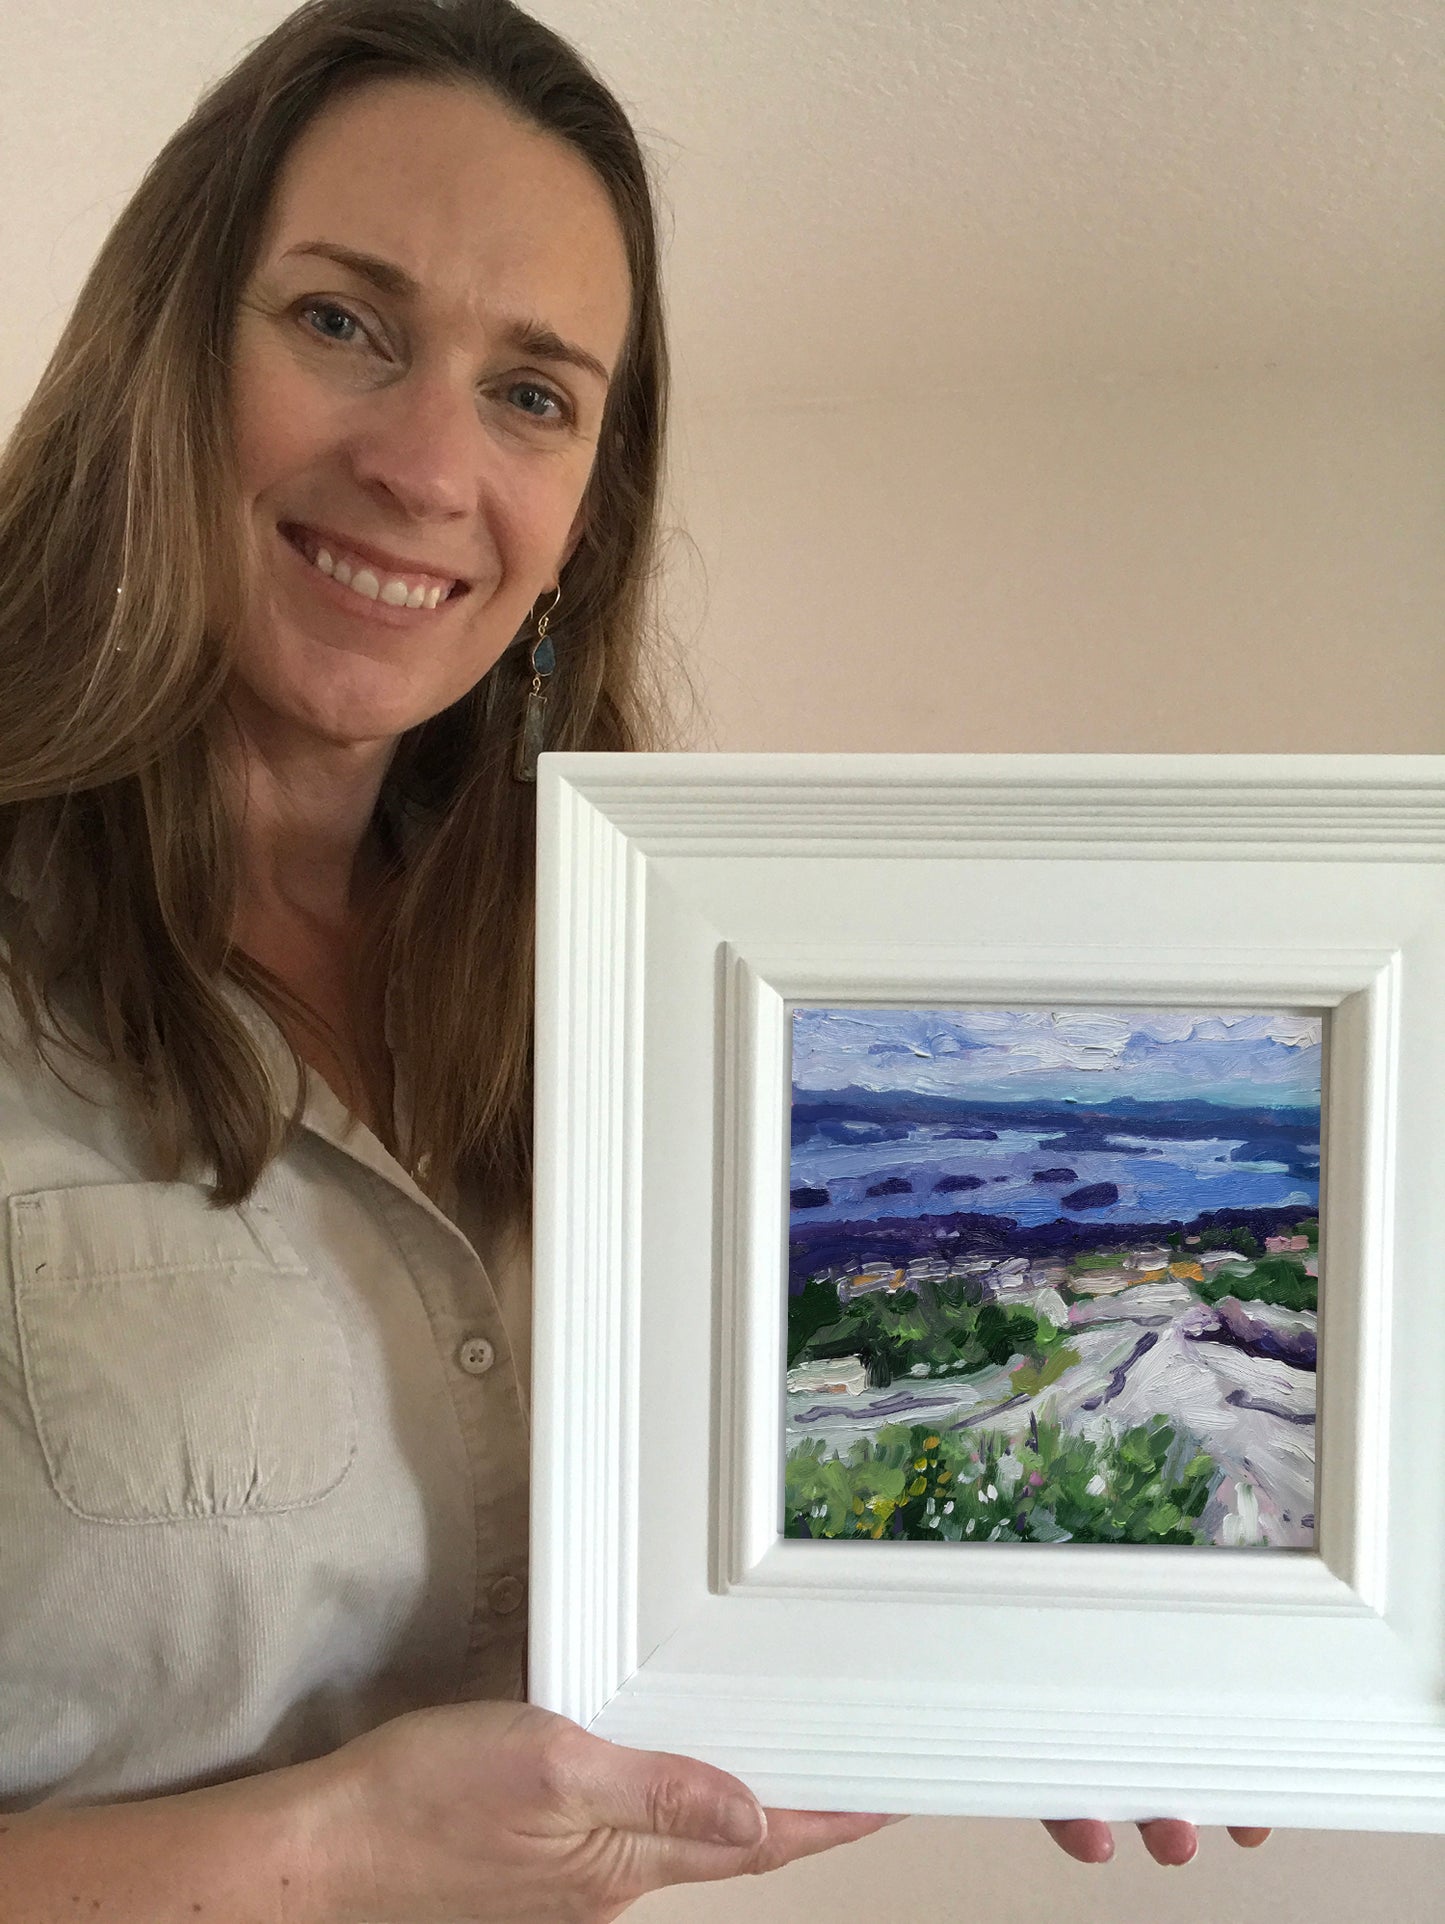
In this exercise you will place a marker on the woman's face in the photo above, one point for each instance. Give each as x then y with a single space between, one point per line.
430 419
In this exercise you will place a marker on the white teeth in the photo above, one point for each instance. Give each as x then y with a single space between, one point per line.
395 593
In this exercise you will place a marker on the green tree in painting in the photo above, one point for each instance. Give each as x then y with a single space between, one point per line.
814 1308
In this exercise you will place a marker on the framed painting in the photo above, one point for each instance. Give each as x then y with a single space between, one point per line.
989 1323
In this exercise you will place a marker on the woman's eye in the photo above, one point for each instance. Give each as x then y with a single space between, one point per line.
331 311
534 399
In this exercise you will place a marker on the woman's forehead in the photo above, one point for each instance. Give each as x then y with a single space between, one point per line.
471 202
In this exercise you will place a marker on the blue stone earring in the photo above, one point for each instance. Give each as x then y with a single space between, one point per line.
534 714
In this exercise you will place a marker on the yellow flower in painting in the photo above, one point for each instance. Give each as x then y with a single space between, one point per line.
945 1476
918 1486
857 1506
930 1442
920 1463
877 1532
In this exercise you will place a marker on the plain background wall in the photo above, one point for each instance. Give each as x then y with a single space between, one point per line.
1243 555
1229 562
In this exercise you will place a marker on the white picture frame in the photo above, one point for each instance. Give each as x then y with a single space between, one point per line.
686 902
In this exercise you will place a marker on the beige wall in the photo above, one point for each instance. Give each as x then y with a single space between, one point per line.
936 1870
1225 563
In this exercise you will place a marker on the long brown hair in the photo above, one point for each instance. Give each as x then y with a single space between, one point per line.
112 797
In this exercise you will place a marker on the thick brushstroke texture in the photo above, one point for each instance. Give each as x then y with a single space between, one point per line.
1147 1264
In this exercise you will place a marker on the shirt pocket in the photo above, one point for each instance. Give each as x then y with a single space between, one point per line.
180 1361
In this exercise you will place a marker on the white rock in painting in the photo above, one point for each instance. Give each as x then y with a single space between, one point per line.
1052 1307
1243 1526
842 1376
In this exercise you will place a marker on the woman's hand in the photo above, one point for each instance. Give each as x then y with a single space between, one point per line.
499 1811
1168 1840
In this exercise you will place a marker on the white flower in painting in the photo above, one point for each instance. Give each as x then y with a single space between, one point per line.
990 1495
1095 1486
948 1507
919 1369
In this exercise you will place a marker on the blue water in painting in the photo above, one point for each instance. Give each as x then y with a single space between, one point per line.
1033 1116
1025 1173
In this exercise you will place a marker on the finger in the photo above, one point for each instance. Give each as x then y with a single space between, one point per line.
1082 1838
1251 1839
1169 1840
803 1833
635 1862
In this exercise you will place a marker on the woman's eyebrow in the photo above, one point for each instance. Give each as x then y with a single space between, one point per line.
528 337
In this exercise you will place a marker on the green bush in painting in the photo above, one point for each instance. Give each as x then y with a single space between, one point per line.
912 1332
1280 1280
1147 1486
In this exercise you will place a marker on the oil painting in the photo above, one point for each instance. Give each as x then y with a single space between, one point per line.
1053 1275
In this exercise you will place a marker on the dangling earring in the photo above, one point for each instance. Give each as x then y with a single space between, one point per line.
534 714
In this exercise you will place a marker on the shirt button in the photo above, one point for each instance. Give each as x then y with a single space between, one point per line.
505 1594
476 1356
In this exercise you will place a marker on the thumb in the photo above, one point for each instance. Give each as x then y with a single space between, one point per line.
661 1794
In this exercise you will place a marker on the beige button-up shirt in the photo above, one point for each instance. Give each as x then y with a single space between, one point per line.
263 1470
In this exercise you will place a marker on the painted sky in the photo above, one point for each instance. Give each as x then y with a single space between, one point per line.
1075 1055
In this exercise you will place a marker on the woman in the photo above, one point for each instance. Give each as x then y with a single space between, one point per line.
336 499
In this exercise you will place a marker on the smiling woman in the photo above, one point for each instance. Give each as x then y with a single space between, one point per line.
363 399
417 404
371 367
363 396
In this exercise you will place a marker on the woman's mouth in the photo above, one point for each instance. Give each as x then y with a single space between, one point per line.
365 585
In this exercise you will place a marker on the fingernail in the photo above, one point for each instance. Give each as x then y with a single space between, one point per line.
901 1818
740 1822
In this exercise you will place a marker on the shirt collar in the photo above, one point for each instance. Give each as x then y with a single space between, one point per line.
325 1115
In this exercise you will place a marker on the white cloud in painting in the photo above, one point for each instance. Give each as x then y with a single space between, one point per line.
1075 1054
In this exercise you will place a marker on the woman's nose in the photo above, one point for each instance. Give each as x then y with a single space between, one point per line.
423 443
